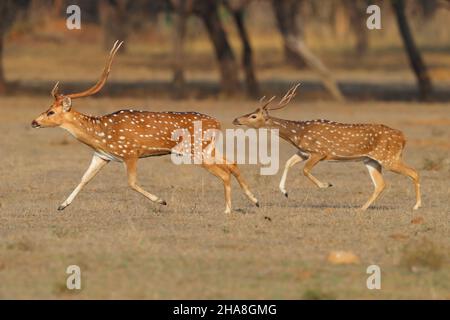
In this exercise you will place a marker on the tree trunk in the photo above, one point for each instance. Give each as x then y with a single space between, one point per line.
358 16
284 10
113 16
415 59
178 81
208 12
247 54
2 75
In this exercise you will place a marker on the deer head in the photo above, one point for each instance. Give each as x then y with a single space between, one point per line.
258 118
62 105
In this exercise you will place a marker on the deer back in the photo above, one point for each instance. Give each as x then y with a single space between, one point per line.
340 141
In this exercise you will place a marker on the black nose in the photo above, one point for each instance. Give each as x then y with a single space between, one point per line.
34 124
236 122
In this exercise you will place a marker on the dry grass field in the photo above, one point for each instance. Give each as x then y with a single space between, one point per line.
128 247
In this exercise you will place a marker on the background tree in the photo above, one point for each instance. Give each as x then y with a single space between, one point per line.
8 12
237 9
286 15
208 11
358 18
415 58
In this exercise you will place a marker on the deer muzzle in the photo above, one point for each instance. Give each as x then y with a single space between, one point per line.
35 124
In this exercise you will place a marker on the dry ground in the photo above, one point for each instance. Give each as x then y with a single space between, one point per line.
128 247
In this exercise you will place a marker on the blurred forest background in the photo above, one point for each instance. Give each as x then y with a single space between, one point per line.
203 48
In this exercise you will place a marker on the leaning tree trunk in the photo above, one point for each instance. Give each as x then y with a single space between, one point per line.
291 56
415 59
208 12
294 41
247 54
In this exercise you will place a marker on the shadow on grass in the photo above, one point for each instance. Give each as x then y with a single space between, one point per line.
301 205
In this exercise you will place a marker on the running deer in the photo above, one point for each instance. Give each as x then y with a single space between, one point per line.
317 140
128 135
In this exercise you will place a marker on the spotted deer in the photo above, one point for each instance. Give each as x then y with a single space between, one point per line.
128 135
318 140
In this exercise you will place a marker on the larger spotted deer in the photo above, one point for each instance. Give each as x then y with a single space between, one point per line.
128 135
322 140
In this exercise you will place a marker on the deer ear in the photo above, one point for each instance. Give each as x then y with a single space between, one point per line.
66 104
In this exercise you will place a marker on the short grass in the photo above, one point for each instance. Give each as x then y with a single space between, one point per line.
128 247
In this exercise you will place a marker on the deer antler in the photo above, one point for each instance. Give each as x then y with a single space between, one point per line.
101 82
55 89
264 102
284 101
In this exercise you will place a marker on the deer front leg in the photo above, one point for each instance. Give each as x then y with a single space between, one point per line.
96 164
310 163
296 158
131 165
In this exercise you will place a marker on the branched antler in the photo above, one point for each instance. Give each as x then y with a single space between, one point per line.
284 101
55 89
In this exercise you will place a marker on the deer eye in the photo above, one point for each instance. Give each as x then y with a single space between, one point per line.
50 113
253 116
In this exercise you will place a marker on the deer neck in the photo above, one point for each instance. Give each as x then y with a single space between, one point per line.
287 129
85 128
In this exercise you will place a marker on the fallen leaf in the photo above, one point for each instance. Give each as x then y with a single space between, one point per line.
417 220
303 275
398 236
342 257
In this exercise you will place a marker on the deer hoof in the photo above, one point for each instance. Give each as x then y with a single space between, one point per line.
257 204
325 185
163 202
62 207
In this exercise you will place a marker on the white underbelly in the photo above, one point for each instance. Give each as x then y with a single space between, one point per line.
107 156
305 155
356 158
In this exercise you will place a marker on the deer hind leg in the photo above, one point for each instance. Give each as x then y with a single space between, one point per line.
224 175
96 164
237 174
401 168
131 165
296 158
374 169
310 163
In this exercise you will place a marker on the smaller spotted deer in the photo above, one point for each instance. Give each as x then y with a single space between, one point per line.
317 140
129 135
